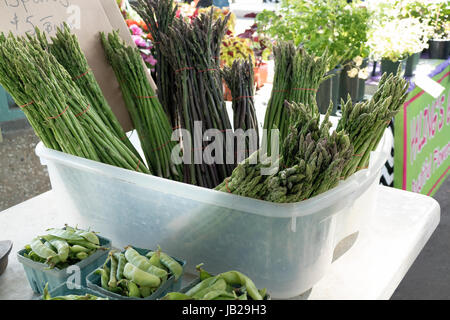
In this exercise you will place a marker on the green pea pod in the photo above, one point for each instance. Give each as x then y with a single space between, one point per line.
104 277
243 297
82 255
216 294
176 296
69 228
65 234
84 243
89 236
121 264
155 259
172 265
142 263
112 275
78 249
219 285
203 274
62 247
140 277
44 252
146 291
49 245
201 286
28 248
132 289
237 278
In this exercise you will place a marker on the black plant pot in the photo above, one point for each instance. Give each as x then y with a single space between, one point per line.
329 91
411 64
439 49
355 86
388 66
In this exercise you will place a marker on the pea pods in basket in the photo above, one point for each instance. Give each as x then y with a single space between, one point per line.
232 285
58 254
137 274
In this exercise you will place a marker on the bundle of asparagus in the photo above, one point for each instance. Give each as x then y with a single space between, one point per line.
66 49
240 80
159 16
313 161
366 122
298 76
198 90
61 115
147 114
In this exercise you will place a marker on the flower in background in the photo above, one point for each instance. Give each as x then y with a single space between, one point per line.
139 32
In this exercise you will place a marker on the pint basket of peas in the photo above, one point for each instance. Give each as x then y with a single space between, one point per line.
231 285
137 274
60 253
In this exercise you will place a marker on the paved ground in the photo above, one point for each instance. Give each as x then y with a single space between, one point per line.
21 174
429 277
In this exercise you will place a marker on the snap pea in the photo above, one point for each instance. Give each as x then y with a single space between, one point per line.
237 278
146 291
77 249
89 236
176 296
142 263
201 286
112 275
155 259
62 247
44 252
218 293
82 255
219 285
65 234
104 277
84 243
49 245
140 277
203 274
132 289
120 265
172 265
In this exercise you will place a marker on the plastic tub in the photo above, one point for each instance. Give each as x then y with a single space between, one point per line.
63 290
171 285
358 217
286 248
39 274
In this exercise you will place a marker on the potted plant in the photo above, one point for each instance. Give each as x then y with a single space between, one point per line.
393 48
234 48
334 26
262 49
440 22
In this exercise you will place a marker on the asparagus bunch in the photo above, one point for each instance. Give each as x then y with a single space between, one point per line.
147 114
55 106
298 76
313 161
366 122
189 48
159 16
240 79
66 49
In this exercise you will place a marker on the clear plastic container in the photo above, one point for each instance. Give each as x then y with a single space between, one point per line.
286 248
358 218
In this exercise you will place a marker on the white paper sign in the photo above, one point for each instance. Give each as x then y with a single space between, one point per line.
430 86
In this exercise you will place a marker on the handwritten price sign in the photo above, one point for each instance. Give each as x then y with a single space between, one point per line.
23 16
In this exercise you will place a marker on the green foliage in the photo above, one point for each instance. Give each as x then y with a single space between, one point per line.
318 25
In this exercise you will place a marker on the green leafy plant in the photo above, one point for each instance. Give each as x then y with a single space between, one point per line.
317 25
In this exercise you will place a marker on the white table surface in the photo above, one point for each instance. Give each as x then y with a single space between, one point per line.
371 269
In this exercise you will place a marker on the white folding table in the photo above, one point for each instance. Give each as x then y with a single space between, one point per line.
371 269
